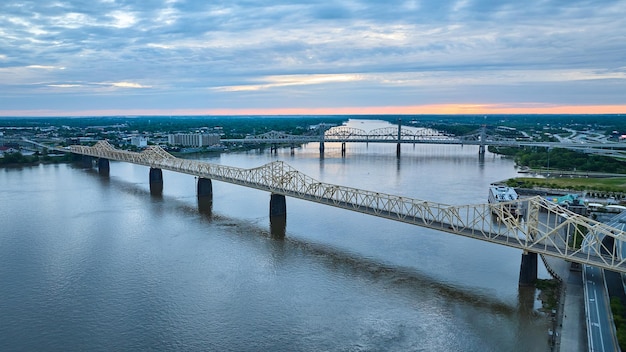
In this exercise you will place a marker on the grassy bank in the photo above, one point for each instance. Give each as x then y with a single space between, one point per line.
604 184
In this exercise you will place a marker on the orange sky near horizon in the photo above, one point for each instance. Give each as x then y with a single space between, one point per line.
435 109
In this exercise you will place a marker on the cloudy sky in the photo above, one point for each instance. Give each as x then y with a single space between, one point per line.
112 57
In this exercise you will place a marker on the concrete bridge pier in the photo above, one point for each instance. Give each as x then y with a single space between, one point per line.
205 195
528 269
104 167
398 150
205 188
343 148
156 181
278 215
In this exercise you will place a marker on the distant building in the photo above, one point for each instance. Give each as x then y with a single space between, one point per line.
139 141
193 139
7 150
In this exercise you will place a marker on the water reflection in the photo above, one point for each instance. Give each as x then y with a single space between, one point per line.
278 226
205 205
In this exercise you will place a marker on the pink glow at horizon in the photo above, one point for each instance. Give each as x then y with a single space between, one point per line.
442 109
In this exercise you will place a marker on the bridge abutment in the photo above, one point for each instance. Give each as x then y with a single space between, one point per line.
156 181
528 269
104 167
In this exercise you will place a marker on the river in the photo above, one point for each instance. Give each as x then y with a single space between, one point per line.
93 263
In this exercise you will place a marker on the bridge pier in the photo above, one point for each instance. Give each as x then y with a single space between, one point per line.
398 150
528 269
156 181
205 195
205 188
278 205
278 215
104 167
343 148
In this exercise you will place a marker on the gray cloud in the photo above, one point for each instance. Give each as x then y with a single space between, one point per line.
223 53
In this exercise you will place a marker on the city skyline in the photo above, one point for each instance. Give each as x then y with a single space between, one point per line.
108 57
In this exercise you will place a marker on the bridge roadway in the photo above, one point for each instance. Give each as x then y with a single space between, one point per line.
544 228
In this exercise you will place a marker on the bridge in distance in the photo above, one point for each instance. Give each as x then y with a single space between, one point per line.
399 135
544 228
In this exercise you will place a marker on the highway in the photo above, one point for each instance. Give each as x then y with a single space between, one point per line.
601 332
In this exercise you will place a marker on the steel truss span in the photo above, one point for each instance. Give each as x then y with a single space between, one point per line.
543 228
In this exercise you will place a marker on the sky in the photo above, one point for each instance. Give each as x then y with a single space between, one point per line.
197 57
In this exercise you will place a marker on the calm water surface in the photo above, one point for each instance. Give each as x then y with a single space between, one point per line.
91 263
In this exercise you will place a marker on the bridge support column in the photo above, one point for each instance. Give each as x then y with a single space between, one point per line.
483 139
398 150
278 215
156 181
103 166
322 148
205 188
278 205
205 195
528 269
343 148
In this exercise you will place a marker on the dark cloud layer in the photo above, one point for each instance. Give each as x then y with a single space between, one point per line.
240 54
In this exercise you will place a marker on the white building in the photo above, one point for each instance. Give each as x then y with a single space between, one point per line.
139 141
193 139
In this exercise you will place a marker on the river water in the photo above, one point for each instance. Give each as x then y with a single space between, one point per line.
93 263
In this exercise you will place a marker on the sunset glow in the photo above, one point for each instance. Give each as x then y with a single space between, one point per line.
450 109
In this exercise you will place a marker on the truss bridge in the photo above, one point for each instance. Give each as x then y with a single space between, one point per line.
543 227
401 135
